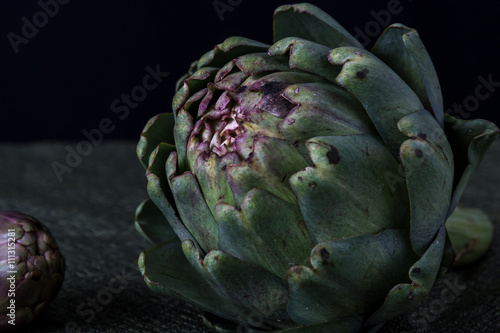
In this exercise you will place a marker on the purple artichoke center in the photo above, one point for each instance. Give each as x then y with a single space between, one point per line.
255 108
222 132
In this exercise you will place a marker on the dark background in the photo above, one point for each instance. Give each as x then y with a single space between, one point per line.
65 78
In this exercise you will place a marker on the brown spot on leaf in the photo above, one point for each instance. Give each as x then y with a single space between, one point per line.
312 185
419 153
333 156
362 74
422 136
416 270
249 158
216 258
325 255
300 178
272 100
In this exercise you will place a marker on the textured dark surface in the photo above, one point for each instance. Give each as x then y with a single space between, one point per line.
91 212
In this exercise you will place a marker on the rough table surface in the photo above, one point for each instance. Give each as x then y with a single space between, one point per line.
90 211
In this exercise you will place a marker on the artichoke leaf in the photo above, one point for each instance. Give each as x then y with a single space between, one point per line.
211 95
406 297
210 174
469 139
270 232
152 224
162 166
346 192
192 84
192 68
254 292
194 101
266 93
384 95
428 162
323 109
254 63
349 277
167 271
305 20
400 47
306 56
180 81
193 210
264 169
229 49
157 130
231 82
182 130
429 188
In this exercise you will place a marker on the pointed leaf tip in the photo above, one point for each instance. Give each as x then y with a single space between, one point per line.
159 129
470 140
305 20
402 50
152 224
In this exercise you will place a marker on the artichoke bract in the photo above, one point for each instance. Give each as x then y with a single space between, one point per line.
31 269
304 186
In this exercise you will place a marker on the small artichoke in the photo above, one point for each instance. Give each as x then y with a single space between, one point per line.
31 269
304 186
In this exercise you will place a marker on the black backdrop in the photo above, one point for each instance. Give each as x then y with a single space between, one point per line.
66 65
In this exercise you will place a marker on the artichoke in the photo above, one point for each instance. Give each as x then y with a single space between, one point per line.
31 268
304 186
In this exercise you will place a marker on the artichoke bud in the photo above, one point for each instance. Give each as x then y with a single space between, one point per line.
29 253
231 123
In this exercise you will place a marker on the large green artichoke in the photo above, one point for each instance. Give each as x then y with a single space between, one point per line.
304 186
31 269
